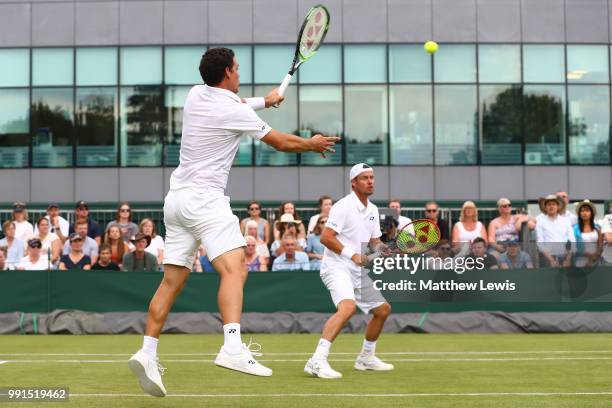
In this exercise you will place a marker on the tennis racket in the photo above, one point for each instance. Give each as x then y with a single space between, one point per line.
418 237
313 31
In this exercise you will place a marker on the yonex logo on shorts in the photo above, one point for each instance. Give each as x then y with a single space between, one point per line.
232 330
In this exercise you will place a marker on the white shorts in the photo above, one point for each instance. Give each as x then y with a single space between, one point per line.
346 281
193 218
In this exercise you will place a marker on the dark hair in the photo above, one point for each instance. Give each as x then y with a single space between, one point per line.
105 247
121 204
41 219
253 202
213 64
591 220
281 211
323 198
479 240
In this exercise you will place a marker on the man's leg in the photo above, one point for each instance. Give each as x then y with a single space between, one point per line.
375 325
346 309
367 359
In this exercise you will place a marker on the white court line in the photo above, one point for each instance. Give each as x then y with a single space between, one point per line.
398 353
3 362
410 395
403 360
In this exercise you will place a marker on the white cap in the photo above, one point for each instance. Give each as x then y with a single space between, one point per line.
358 169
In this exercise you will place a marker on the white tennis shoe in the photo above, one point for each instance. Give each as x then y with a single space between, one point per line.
319 367
148 371
371 362
244 361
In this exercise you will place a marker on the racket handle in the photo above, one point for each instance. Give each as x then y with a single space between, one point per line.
283 86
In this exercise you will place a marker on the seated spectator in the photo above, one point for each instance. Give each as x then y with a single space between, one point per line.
479 250
389 229
432 212
90 248
554 232
34 261
250 230
467 229
254 261
15 247
58 225
291 259
589 239
206 265
263 226
606 230
286 225
513 257
3 264
441 256
325 204
75 259
506 227
105 262
288 208
115 241
314 248
124 221
140 260
402 221
51 243
94 231
156 247
566 213
23 229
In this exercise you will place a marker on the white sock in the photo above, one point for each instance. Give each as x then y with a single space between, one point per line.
149 346
369 347
231 337
322 350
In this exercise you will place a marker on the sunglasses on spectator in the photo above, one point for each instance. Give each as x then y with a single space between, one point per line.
445 248
431 210
35 245
125 210
505 206
253 208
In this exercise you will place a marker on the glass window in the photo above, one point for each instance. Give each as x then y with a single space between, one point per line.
455 63
175 100
96 112
141 65
52 127
409 63
455 124
96 66
589 124
142 126
52 66
15 67
14 127
501 124
411 135
587 63
321 112
544 117
244 157
365 63
543 63
272 62
499 63
366 130
183 65
325 68
285 119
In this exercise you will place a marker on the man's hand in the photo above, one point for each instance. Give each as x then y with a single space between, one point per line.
322 144
359 259
273 98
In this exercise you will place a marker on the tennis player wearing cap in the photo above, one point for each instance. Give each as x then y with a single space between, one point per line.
352 221
196 210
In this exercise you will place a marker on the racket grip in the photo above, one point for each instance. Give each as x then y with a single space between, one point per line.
283 86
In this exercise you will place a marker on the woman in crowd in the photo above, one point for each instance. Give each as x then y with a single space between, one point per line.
250 230
156 247
15 246
76 259
23 229
467 229
288 207
287 225
325 204
34 261
118 246
314 248
124 221
263 226
50 241
506 227
589 239
104 259
254 261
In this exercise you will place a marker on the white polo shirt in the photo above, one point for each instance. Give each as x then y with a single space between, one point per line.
213 121
552 234
354 224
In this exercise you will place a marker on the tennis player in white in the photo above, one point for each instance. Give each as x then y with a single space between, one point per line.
196 209
352 221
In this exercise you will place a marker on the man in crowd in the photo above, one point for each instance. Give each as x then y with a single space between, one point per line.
396 205
94 231
90 247
479 250
553 232
34 261
432 212
140 260
566 213
104 259
291 260
57 224
514 258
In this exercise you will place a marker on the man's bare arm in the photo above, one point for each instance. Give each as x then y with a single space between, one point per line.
331 242
286 142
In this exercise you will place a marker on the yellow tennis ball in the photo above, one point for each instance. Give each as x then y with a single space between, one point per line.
431 46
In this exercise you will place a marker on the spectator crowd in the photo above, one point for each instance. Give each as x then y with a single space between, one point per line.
563 237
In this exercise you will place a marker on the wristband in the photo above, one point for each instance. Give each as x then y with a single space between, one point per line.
347 253
256 103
